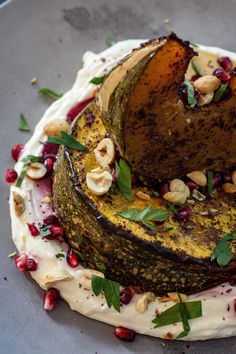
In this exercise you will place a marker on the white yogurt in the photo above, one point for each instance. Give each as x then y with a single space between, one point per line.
218 318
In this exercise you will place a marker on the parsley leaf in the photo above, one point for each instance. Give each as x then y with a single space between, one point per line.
97 80
110 289
68 141
51 93
60 255
26 160
210 185
222 253
219 93
23 124
110 41
145 216
191 94
99 265
181 312
123 177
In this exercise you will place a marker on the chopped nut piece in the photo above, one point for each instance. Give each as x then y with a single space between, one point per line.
11 255
234 177
207 84
19 203
143 301
105 152
205 99
142 195
55 127
198 177
46 199
175 297
33 81
229 188
168 335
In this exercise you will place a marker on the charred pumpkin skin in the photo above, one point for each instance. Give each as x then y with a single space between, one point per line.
172 140
160 262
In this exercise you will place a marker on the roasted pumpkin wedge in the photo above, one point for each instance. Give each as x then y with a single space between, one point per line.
175 257
158 135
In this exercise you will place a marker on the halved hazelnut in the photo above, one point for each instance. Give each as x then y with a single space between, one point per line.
99 183
105 152
207 84
198 177
205 99
19 203
36 170
179 192
143 301
55 127
229 188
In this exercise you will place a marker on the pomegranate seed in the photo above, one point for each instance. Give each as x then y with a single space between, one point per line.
113 173
21 262
216 180
51 298
126 295
134 179
49 163
33 229
56 232
51 220
232 279
183 213
222 75
16 151
164 189
124 334
117 153
227 177
30 265
74 111
50 148
225 62
195 77
192 185
11 175
72 258
235 305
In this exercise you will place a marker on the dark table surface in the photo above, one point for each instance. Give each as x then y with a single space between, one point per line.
46 39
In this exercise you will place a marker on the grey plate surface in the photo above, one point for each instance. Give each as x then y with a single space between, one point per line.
46 39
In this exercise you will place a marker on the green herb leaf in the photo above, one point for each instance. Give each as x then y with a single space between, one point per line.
155 194
210 185
194 45
222 252
179 313
26 160
23 124
51 93
99 265
110 289
110 41
191 94
219 93
97 80
80 254
195 68
172 208
123 177
68 141
60 255
44 231
145 216
184 318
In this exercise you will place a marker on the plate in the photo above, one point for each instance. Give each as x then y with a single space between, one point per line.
46 40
